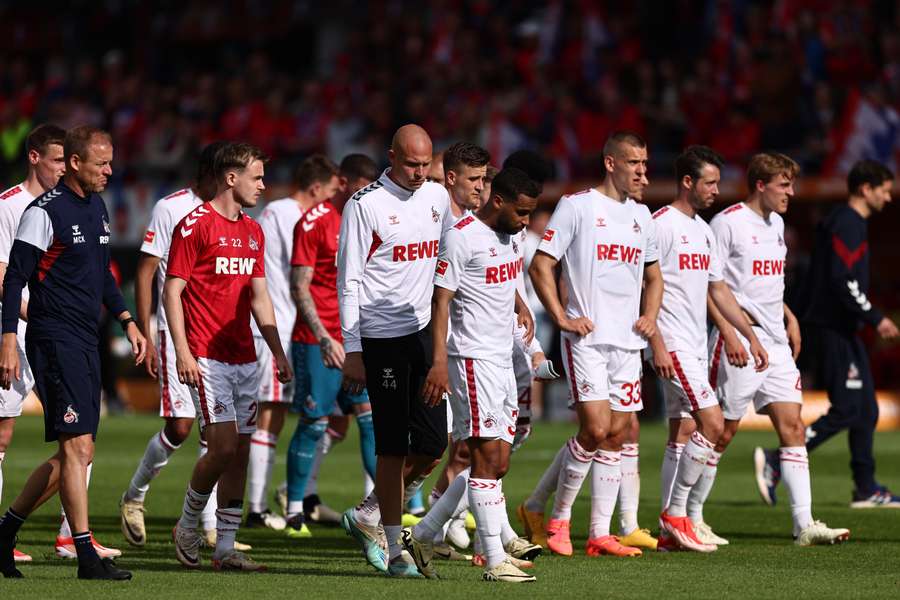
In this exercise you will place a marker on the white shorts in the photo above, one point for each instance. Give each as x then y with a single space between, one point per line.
484 399
227 393
175 399
269 389
736 386
689 390
11 400
602 372
449 418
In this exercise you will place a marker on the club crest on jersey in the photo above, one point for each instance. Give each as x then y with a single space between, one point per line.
515 248
493 251
601 222
77 236
71 416
253 244
393 220
636 228
435 215
548 235
441 267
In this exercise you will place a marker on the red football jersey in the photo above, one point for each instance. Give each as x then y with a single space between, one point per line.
217 258
315 245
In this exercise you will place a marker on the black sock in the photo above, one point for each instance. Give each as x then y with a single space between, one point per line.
84 548
10 524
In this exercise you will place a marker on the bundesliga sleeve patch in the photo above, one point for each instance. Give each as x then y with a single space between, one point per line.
148 237
548 235
441 267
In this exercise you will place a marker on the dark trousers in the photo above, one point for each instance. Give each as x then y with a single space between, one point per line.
846 375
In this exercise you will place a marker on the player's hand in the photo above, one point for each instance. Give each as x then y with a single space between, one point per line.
734 350
283 367
138 343
9 361
792 328
151 362
523 431
332 352
437 384
188 369
887 329
543 367
760 356
354 373
646 327
580 326
663 365
524 320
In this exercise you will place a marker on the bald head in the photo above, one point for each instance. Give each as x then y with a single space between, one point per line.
410 156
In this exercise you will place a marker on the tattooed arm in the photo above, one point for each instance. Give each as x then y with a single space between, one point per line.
332 351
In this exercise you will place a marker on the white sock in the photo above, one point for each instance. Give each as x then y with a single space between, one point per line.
368 512
507 533
669 468
395 547
64 529
259 468
443 510
208 517
194 503
690 467
606 475
795 475
227 522
488 505
700 491
575 466
294 507
412 488
537 501
629 489
322 448
156 456
368 483
2 456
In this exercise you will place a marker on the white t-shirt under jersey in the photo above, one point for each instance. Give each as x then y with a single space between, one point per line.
13 203
482 267
603 245
278 220
387 252
688 261
166 214
753 251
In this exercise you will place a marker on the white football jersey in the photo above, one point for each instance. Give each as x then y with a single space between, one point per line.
390 237
166 214
753 251
688 261
603 246
481 266
278 220
13 203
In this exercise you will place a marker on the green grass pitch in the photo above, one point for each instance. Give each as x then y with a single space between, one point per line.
761 561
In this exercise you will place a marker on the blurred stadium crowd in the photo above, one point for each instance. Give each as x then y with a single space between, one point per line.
294 76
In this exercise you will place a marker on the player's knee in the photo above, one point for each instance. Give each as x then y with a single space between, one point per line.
793 430
178 430
591 436
713 430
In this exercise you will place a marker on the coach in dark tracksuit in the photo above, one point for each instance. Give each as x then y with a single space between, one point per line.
837 306
61 252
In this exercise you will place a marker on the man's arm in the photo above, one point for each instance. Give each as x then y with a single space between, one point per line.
792 328
264 314
725 305
23 309
115 304
185 363
143 297
437 383
544 283
23 260
353 247
524 317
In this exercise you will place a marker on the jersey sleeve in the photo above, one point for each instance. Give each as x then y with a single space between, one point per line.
35 228
259 266
452 260
185 248
7 232
159 232
721 241
307 236
561 229
715 261
354 244
651 249
848 248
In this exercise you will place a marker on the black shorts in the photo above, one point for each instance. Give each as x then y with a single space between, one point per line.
395 372
67 381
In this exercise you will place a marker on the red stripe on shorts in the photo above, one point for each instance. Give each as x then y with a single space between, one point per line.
201 391
164 373
684 382
717 353
276 385
571 363
473 397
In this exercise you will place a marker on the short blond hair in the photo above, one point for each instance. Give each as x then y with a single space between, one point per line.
765 166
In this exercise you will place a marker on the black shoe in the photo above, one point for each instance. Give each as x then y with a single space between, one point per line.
105 568
254 520
8 561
